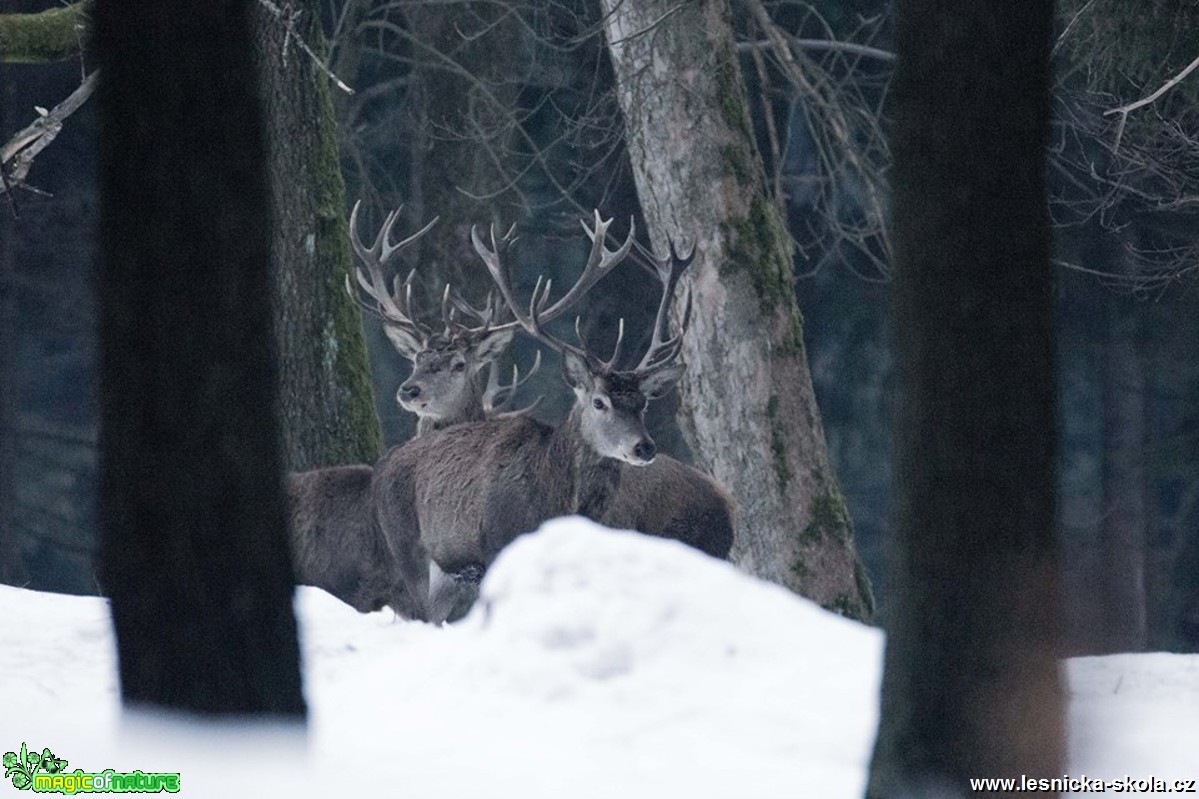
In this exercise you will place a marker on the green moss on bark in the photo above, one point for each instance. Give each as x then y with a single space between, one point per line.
830 518
47 36
348 347
760 246
778 443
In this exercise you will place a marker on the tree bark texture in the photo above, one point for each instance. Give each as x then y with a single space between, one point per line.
970 683
194 552
747 402
12 564
50 35
326 401
1123 525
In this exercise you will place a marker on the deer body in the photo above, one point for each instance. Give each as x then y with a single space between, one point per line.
336 546
670 499
336 543
469 490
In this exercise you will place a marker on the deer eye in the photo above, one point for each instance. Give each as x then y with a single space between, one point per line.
459 366
598 404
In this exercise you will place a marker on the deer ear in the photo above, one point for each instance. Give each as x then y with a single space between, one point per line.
575 370
660 381
492 346
404 341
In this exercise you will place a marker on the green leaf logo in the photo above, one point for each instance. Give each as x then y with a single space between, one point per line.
21 768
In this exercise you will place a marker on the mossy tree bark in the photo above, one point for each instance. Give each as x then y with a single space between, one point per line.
194 550
46 36
970 684
326 400
747 400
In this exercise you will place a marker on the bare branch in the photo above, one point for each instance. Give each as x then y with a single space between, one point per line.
290 18
1124 110
853 48
25 145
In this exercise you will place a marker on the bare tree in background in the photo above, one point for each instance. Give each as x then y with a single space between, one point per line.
747 400
194 549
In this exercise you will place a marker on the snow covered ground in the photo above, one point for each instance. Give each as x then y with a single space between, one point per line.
597 664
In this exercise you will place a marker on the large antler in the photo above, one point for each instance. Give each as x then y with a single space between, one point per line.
393 308
498 397
600 262
663 348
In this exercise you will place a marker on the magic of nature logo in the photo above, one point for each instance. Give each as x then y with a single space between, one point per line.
44 772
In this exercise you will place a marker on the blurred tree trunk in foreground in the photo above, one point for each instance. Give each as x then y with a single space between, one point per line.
970 684
194 548
747 400
1123 525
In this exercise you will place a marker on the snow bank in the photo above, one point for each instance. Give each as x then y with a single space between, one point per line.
596 664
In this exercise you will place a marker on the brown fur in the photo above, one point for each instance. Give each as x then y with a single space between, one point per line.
335 545
672 500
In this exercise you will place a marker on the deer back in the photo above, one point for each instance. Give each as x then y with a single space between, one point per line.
335 545
672 500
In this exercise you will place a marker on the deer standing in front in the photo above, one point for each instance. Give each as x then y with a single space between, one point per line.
467 491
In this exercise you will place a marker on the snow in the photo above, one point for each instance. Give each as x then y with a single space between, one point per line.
596 664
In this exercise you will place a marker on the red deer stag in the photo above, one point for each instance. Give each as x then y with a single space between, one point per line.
467 491
335 544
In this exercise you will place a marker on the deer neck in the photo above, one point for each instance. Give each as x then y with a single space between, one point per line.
593 478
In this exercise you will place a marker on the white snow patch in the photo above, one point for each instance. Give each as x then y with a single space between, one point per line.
596 664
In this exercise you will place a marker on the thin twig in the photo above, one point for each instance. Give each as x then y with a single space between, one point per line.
853 48
289 24
1165 87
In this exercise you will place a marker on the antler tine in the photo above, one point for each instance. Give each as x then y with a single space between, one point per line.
663 349
393 309
610 364
452 326
600 262
498 397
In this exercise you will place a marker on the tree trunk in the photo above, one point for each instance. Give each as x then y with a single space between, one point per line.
12 566
326 401
970 684
194 548
1122 526
747 402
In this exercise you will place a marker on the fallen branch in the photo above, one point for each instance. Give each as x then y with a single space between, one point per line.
25 145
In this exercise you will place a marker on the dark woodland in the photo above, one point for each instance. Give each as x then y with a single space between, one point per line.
1048 346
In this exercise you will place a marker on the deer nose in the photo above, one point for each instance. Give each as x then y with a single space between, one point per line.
409 391
645 450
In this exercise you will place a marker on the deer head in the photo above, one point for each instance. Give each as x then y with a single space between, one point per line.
444 383
609 408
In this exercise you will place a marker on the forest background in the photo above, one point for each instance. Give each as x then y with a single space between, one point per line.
517 102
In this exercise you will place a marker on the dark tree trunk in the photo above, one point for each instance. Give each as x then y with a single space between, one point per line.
12 567
194 548
1122 526
970 685
326 402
